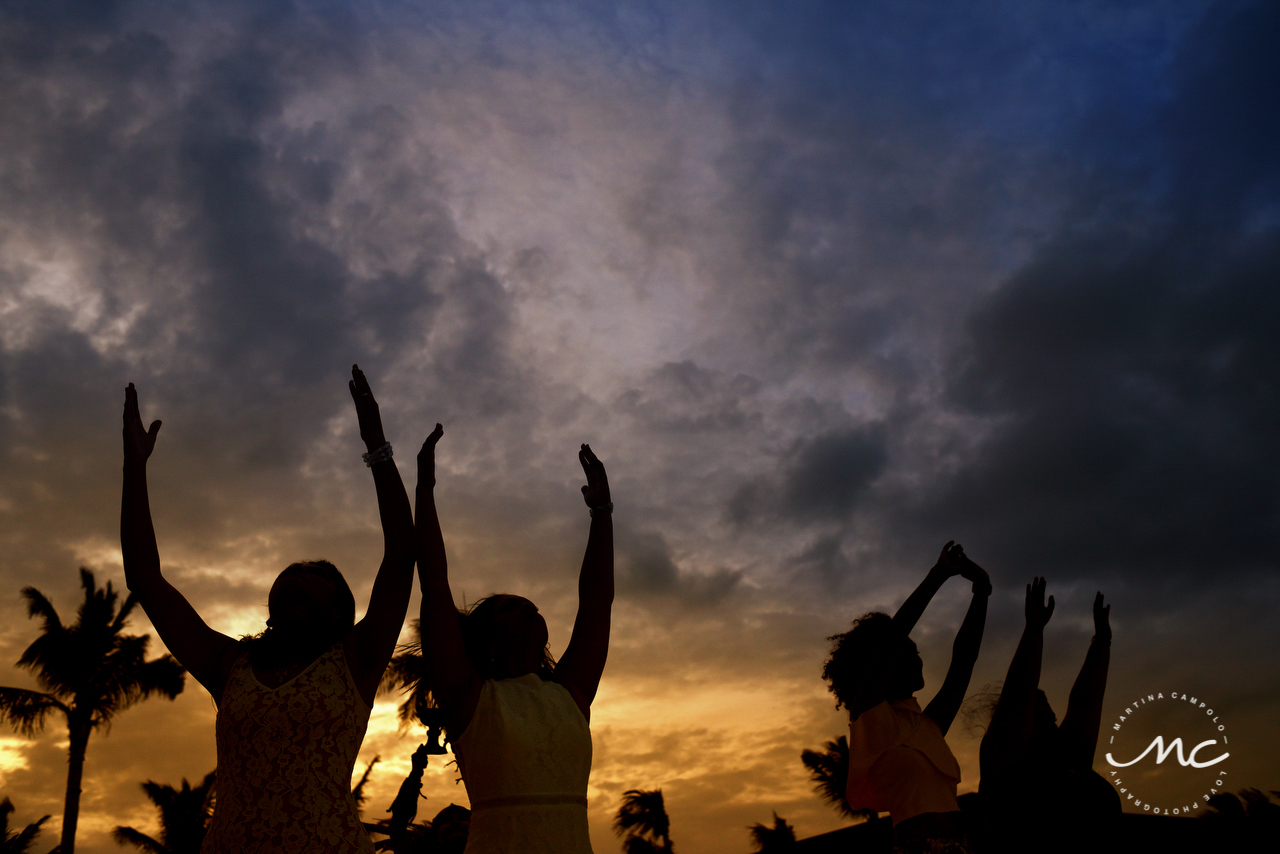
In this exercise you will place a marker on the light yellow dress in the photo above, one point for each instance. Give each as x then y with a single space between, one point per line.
285 756
899 762
525 758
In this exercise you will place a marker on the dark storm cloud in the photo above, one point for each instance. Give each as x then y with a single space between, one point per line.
172 217
1131 368
224 236
875 180
647 570
822 479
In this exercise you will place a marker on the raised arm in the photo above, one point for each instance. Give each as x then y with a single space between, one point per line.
1012 721
200 649
1079 729
448 673
582 664
374 638
964 652
950 562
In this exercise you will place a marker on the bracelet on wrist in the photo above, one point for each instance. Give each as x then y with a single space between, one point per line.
377 455
606 509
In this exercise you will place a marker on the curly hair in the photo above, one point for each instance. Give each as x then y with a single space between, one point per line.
476 622
860 655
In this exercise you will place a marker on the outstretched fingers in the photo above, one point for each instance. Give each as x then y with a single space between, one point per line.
366 409
1101 618
138 441
359 385
951 560
1038 611
596 491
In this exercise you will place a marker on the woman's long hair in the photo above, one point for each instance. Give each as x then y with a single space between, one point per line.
274 648
476 622
408 667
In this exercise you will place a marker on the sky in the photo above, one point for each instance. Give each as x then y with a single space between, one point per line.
825 285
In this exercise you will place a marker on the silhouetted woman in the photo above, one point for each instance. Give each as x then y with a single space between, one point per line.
1039 790
293 703
518 721
899 761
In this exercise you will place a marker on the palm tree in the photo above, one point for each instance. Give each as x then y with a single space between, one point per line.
643 819
829 771
184 818
19 842
357 792
90 670
770 840
405 672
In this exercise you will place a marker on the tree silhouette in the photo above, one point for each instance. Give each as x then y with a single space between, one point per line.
90 671
184 818
642 818
829 771
357 793
770 840
19 842
405 673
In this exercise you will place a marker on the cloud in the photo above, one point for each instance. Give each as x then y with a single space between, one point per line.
823 286
821 479
1129 369
646 568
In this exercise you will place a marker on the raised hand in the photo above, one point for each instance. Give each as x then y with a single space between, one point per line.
1101 619
138 443
952 560
972 572
427 457
1037 611
596 492
366 410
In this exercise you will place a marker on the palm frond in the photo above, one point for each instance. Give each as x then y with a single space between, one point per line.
25 710
640 845
163 675
138 839
769 840
52 658
16 843
405 668
829 771
38 605
403 672
642 812
357 793
126 608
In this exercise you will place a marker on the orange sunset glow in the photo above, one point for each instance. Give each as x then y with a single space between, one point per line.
824 287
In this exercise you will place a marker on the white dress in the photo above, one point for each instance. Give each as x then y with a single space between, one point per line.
525 758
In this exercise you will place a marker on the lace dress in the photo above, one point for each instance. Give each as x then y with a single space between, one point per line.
525 758
285 757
